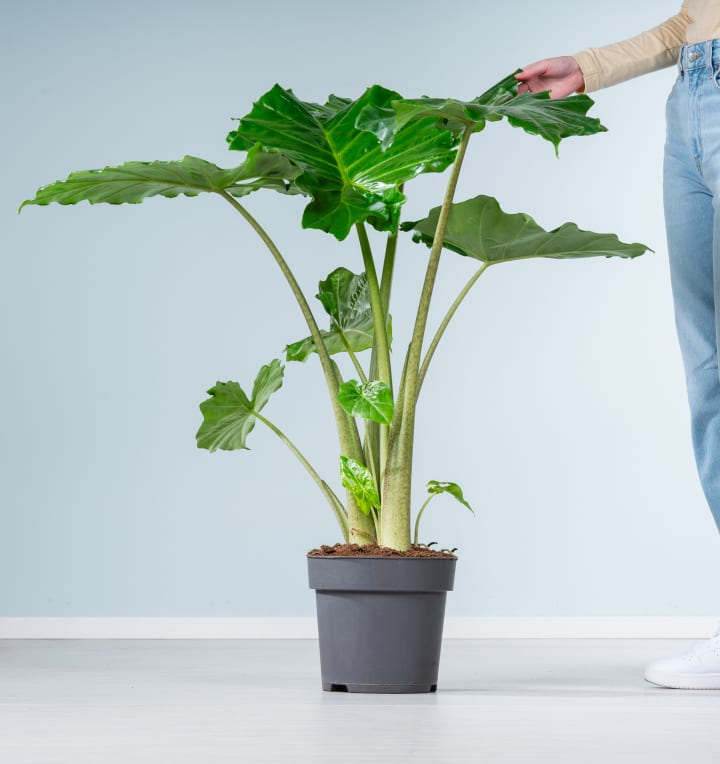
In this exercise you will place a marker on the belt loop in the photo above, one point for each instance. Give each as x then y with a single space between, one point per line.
709 56
680 60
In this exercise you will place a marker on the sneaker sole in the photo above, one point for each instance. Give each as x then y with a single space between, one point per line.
683 681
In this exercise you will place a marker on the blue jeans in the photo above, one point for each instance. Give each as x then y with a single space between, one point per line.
692 217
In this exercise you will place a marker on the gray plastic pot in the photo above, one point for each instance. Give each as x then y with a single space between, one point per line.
380 621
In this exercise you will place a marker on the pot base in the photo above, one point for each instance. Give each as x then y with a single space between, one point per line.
394 689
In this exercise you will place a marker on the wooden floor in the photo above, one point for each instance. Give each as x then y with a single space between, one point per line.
209 701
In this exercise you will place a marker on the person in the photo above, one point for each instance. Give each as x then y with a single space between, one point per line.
691 194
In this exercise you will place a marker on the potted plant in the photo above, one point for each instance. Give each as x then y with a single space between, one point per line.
380 593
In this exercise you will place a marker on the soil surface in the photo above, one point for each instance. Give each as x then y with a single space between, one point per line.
372 550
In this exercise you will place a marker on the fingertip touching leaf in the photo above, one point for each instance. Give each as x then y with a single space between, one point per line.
536 113
478 228
229 415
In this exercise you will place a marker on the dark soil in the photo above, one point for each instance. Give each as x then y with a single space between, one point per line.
372 550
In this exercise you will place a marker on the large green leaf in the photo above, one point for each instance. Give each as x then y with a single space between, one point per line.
359 481
132 182
536 113
229 415
346 171
478 228
370 400
346 299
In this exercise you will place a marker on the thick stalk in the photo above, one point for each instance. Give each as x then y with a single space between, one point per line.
444 324
395 517
335 503
380 335
348 435
371 443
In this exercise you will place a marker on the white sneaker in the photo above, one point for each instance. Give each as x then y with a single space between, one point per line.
696 669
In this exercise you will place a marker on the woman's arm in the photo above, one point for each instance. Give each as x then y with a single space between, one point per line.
596 68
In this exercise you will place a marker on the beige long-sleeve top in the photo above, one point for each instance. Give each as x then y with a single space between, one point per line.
698 20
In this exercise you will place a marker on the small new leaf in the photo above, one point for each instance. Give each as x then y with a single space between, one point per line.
359 481
435 487
229 415
371 400
346 299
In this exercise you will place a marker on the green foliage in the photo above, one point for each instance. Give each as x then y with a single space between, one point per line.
434 487
346 299
359 481
352 158
345 169
229 415
132 182
478 228
371 400
535 113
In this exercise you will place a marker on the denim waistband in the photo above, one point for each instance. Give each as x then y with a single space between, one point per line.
699 55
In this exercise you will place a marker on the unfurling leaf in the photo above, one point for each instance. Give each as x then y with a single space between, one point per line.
132 182
229 415
346 299
478 228
370 400
359 481
435 487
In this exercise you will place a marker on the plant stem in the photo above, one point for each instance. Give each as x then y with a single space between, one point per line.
395 517
419 515
335 503
376 521
388 270
379 315
444 323
348 434
356 363
372 429
431 274
380 335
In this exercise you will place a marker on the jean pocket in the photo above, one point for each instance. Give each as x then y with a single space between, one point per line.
716 76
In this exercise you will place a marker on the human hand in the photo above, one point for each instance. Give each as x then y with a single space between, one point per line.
561 76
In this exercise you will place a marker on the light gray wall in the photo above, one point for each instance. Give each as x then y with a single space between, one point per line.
558 400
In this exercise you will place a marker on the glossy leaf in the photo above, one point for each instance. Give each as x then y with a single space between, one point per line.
229 415
346 299
478 228
132 182
535 113
359 481
345 170
371 400
435 487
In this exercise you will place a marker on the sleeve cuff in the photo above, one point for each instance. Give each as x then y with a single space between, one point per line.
590 70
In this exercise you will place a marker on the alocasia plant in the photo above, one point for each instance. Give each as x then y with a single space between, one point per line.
354 159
